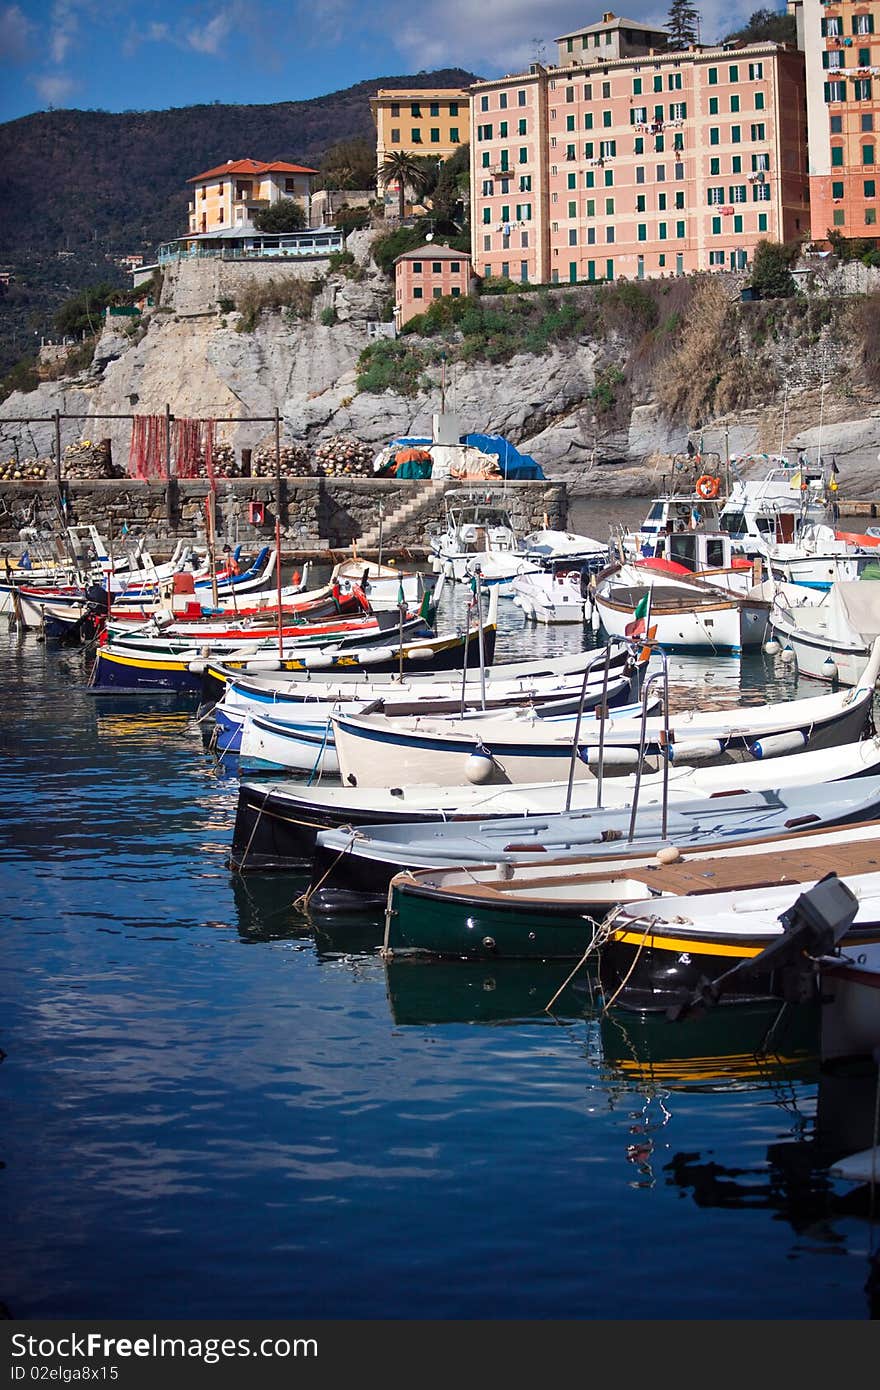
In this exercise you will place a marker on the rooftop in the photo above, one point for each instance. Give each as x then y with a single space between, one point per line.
250 168
433 253
611 21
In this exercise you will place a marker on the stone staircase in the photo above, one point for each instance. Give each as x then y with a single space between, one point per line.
423 501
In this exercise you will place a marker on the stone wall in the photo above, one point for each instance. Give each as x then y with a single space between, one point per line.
316 513
193 287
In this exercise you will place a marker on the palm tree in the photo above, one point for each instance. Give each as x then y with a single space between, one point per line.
406 171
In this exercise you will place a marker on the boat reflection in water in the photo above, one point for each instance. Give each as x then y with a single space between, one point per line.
830 1110
459 991
265 907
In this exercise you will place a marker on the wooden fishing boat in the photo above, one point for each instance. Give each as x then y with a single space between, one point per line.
376 751
554 908
277 823
742 934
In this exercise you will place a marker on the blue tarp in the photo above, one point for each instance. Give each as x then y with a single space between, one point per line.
512 463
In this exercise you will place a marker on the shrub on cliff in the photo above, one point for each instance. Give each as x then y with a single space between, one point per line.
389 365
771 269
293 295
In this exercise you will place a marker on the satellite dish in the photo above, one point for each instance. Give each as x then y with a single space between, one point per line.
429 236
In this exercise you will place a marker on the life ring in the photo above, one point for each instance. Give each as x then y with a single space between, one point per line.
707 486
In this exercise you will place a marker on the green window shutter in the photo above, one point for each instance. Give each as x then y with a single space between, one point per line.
837 156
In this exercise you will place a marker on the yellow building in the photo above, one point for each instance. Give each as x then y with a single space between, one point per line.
427 121
227 197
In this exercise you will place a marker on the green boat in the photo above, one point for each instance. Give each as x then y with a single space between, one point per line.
425 992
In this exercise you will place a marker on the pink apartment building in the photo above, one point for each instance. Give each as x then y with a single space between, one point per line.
426 274
631 159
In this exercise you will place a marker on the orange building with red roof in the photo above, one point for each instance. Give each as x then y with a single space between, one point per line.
227 197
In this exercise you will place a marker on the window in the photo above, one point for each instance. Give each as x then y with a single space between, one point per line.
606 90
638 115
736 164
591 207
716 257
658 112
736 134
505 186
835 125
487 215
455 292
713 106
642 231
661 202
674 83
661 173
640 173
863 24
733 74
572 180
835 91
607 149
453 108
415 109
833 60
658 82
569 94
714 135
832 27
453 135
609 235
638 145
416 135
524 240
523 155
436 292
734 103
760 161
759 132
759 101
589 179
502 100
762 221
569 123
637 86
737 224
572 209
640 202
418 292
609 207
715 195
867 122
606 117
484 103
678 111
487 243
435 108
484 163
523 127
658 144
591 236
678 171
760 193
521 98
572 236
435 135
588 121
679 230
679 199
715 166
870 188
862 85
713 77
395 109
505 213
609 178
870 216
488 188
836 156
570 152
502 131
395 135
756 72
523 212
837 217
738 193
837 190
588 92
523 272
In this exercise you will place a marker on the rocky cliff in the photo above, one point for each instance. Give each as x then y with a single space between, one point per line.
632 374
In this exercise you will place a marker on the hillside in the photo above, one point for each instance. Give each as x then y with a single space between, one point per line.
99 183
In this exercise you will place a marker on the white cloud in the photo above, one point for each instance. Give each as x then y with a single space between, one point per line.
55 88
16 34
64 27
209 38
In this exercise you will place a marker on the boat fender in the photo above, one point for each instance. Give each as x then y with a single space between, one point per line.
772 647
774 744
620 757
419 653
197 666
670 854
829 668
787 655
479 766
694 750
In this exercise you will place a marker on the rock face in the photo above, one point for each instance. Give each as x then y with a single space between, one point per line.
194 358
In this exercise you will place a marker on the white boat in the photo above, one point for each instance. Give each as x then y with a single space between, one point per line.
817 558
850 1019
555 593
477 529
832 636
770 506
668 514
381 752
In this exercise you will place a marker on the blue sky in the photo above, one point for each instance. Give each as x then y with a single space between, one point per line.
120 55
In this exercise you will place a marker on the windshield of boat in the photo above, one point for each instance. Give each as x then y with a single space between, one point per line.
482 516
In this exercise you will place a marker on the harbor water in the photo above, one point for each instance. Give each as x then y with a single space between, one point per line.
217 1108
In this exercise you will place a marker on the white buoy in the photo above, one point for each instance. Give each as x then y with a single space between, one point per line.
772 647
829 669
792 741
787 655
479 767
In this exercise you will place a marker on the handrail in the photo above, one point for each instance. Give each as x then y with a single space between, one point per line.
606 658
664 676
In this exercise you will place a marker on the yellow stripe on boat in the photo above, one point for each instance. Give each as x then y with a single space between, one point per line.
694 947
146 663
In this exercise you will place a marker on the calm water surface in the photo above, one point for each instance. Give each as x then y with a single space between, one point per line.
214 1111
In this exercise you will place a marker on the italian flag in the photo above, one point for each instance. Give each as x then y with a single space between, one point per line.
640 617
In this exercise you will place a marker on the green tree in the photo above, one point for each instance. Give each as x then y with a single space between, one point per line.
283 216
773 25
407 171
83 313
771 269
450 198
349 164
682 24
